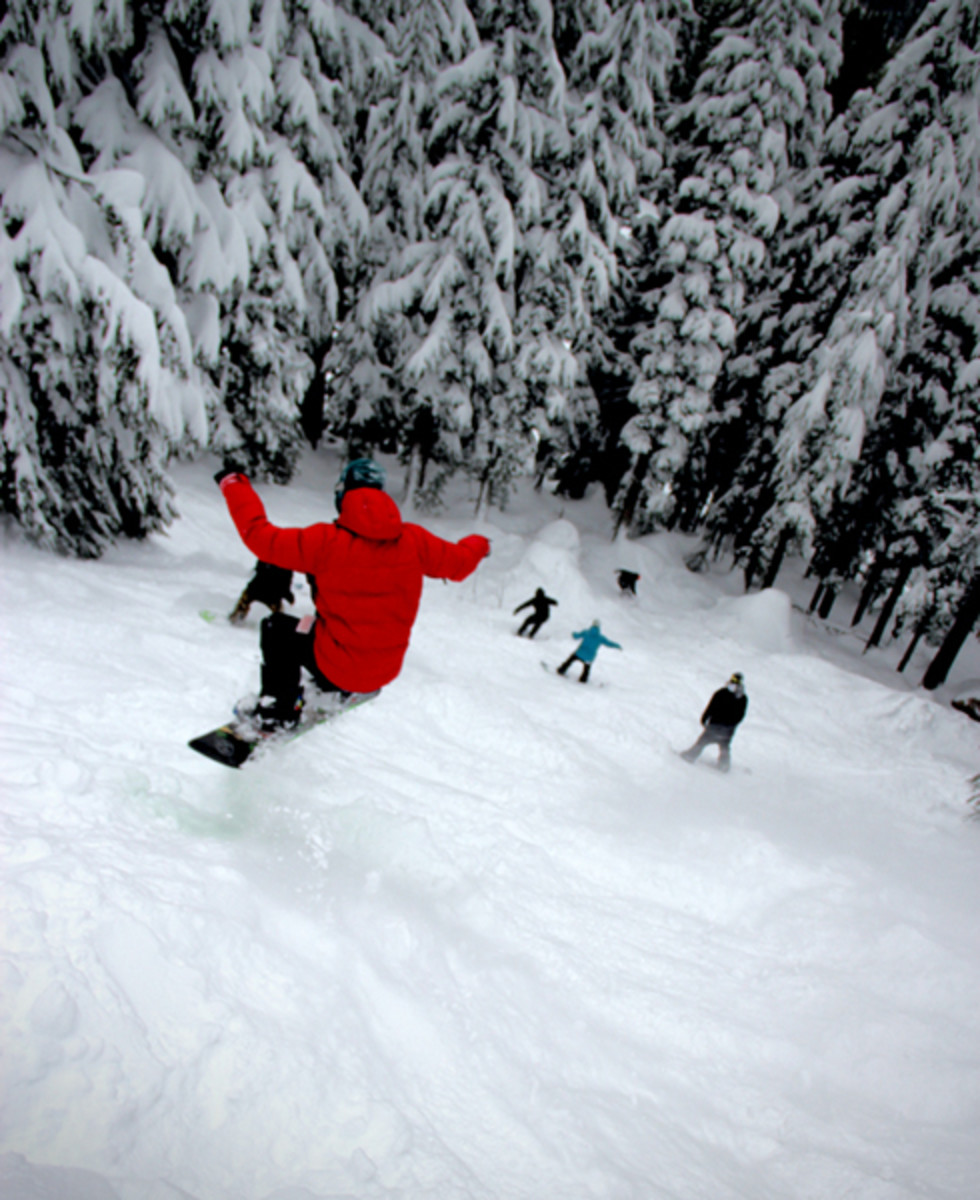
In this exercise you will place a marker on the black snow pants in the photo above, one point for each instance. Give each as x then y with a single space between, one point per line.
586 667
532 624
285 651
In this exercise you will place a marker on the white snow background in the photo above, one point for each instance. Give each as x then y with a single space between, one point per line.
488 936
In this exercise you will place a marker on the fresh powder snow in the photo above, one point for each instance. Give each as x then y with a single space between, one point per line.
488 936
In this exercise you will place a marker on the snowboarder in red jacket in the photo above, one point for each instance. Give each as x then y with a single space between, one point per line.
365 570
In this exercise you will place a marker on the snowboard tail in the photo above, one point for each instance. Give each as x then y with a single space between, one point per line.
238 741
227 745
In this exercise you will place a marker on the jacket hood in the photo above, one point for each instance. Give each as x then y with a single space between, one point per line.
370 514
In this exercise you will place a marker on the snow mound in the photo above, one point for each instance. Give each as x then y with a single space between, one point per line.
552 561
561 535
22 1180
760 619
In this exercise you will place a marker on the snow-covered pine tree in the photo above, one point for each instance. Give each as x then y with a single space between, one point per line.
377 399
762 88
260 373
95 353
488 336
897 219
445 230
486 302
934 436
938 381
919 475
228 114
730 488
329 66
561 264
619 58
943 600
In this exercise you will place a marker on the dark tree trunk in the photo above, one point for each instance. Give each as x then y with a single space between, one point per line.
815 598
772 571
751 568
625 516
966 618
916 638
827 601
311 410
901 579
486 488
869 592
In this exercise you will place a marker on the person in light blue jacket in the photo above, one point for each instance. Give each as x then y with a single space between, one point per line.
589 642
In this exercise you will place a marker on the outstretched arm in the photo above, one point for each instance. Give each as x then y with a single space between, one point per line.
289 548
449 560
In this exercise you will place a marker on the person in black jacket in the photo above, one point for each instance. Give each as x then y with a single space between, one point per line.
725 710
269 585
541 610
627 581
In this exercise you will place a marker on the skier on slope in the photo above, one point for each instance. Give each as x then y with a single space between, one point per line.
627 581
366 570
589 642
724 712
541 610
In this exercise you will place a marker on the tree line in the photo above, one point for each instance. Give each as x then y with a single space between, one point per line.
718 259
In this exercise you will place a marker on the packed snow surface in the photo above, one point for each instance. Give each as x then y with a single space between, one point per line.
487 936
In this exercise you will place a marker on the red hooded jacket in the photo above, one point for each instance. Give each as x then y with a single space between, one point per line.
367 568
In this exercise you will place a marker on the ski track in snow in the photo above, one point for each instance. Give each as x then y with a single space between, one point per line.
487 936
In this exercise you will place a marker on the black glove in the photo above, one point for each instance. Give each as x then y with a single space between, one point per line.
230 468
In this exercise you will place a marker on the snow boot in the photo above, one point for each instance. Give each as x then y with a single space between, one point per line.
270 714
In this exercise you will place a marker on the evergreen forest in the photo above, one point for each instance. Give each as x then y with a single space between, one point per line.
719 260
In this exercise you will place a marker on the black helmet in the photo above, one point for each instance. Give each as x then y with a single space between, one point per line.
361 473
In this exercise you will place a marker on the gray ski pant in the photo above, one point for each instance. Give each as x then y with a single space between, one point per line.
713 735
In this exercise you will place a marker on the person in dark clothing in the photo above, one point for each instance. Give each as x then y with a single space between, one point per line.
725 710
627 581
541 610
269 585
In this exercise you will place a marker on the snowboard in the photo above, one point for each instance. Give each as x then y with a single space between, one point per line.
238 741
712 763
593 683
